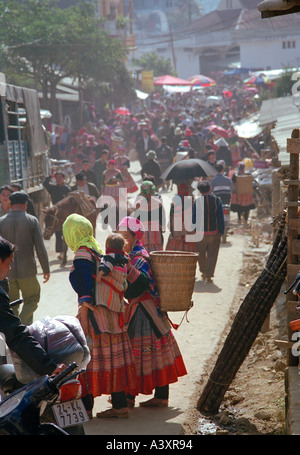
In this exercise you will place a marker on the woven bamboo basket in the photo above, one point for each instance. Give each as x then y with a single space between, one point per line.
244 184
174 273
116 142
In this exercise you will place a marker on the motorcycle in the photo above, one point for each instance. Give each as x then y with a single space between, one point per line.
22 410
41 399
295 325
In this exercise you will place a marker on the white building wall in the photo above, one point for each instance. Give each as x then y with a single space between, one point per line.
271 54
187 64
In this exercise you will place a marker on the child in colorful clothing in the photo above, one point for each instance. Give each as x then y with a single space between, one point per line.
112 274
123 163
111 179
115 256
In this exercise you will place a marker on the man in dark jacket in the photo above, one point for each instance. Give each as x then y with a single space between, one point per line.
99 167
208 218
164 157
86 187
17 335
89 173
144 143
152 167
164 154
57 191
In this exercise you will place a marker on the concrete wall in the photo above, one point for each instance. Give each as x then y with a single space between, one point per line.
270 54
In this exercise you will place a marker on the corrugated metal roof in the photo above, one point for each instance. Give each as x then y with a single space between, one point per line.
215 21
248 127
287 118
274 108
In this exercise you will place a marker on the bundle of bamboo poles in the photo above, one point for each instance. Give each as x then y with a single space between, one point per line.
247 324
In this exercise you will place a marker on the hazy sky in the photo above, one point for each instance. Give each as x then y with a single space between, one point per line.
210 5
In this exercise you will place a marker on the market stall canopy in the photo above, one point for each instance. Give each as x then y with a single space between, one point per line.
248 127
221 142
283 115
236 71
271 8
170 80
141 95
188 169
177 88
201 80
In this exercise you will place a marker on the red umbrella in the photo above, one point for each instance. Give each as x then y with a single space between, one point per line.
122 111
204 81
171 80
218 130
227 93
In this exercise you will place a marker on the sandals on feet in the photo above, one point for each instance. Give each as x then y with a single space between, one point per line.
154 403
130 403
113 413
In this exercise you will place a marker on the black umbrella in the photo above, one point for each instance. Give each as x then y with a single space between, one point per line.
188 169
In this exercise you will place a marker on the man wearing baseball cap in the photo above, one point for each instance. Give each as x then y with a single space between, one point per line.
24 231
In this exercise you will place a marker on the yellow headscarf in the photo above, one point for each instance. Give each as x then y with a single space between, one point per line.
78 231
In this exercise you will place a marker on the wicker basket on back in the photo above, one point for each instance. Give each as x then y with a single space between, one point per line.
244 184
174 273
116 142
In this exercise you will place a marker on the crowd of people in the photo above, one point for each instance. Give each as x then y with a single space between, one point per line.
158 132
133 349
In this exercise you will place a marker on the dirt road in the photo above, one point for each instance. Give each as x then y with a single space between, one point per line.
198 337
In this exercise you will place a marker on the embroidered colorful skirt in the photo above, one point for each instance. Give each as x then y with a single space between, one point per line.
157 358
128 182
179 244
112 365
152 239
112 191
242 202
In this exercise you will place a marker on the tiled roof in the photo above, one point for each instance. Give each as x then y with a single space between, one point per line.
251 19
240 20
216 21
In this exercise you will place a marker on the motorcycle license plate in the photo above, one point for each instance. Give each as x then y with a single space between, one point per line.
70 413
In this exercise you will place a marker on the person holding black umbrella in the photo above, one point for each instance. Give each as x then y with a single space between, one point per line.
189 169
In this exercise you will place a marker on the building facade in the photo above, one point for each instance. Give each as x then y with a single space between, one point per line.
233 34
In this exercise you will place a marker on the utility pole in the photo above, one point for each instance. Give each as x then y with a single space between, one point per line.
130 17
172 46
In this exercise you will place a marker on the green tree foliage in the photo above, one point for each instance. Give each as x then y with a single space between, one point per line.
156 63
49 43
284 84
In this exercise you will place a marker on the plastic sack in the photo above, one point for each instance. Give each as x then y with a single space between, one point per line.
62 337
